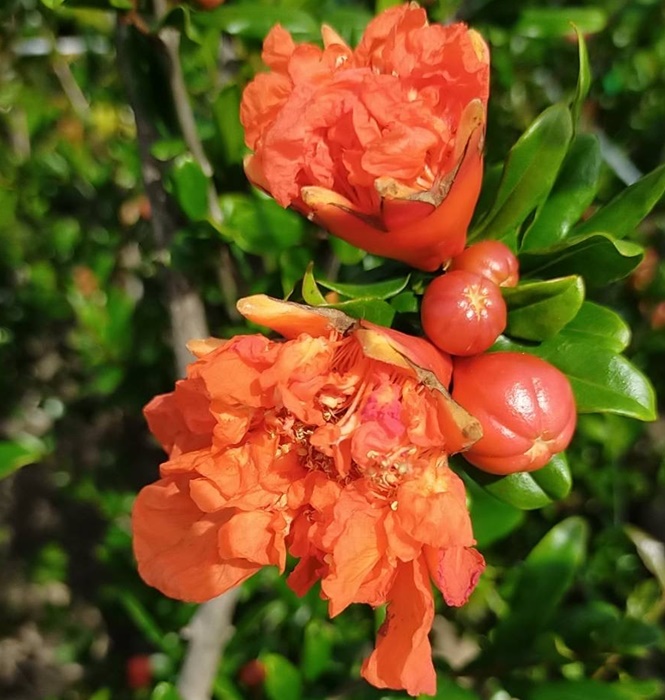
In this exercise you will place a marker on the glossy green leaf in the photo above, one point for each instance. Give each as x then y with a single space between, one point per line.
598 325
598 257
530 171
573 192
542 581
602 381
541 22
14 455
539 310
253 21
583 76
492 519
190 187
555 478
310 289
373 310
588 689
528 490
376 290
622 215
317 648
283 681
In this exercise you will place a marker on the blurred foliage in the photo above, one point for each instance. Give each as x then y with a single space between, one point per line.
84 344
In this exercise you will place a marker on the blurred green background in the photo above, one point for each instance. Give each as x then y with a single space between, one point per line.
85 342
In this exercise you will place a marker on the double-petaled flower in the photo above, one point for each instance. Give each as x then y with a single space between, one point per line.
381 145
330 445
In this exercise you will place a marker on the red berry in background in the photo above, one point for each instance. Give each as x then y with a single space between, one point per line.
139 671
463 313
524 404
252 674
491 259
209 4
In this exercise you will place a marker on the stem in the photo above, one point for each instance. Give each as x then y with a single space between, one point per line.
210 627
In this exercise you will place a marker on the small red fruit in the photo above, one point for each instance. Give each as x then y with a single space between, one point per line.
524 404
491 259
463 313
139 671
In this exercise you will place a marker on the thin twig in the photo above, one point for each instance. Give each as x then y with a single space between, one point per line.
171 39
211 625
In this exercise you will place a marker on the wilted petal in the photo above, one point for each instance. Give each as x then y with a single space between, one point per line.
455 571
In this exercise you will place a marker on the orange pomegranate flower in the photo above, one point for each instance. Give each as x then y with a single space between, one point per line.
382 145
331 445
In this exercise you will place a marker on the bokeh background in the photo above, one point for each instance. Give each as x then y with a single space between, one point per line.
86 294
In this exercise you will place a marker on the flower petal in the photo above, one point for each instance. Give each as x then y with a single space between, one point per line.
290 320
176 544
403 655
455 571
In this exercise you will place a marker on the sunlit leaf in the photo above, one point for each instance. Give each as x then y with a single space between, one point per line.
539 310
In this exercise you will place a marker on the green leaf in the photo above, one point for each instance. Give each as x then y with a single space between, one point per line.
573 192
595 690
542 22
492 518
14 455
583 76
598 325
258 225
165 691
596 256
406 302
349 21
253 21
539 310
373 310
602 381
310 289
230 133
528 490
651 552
376 290
283 680
529 172
317 648
147 623
554 478
347 254
447 689
621 216
542 582
190 187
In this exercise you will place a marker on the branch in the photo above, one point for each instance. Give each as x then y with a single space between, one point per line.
211 625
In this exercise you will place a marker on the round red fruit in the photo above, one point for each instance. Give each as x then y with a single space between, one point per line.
463 313
491 259
524 404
